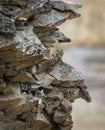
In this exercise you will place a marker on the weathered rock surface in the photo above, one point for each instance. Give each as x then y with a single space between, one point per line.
36 86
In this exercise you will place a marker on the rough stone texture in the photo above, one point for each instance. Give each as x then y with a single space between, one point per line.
36 86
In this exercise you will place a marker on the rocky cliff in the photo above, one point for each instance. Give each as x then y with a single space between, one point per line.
36 87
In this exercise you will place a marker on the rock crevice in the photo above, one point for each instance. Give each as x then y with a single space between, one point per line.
36 87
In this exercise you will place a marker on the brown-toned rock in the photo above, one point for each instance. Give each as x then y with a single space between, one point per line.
36 86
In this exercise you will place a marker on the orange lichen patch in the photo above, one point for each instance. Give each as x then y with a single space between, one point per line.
65 14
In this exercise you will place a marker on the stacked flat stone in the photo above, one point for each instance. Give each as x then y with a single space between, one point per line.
36 87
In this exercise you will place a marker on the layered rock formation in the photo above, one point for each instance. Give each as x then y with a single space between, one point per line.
36 87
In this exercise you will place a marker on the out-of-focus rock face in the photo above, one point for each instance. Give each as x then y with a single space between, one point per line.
90 26
36 86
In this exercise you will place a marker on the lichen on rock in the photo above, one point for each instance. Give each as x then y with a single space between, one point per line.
36 87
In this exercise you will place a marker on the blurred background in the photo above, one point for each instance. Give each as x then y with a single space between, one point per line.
87 53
